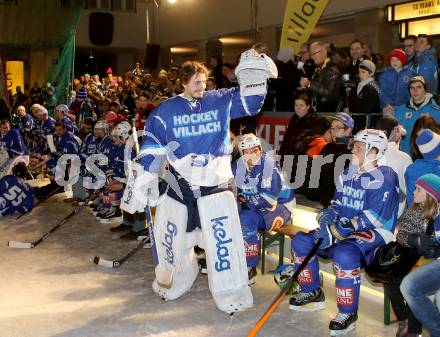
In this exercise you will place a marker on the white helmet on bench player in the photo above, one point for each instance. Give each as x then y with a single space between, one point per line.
373 139
248 141
102 125
122 130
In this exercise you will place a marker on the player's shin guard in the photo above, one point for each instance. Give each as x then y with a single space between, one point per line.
175 256
249 226
225 256
302 243
347 262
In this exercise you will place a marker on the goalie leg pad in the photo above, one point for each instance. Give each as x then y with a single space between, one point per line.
173 253
225 255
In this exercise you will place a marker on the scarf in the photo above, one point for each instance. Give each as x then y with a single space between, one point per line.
363 83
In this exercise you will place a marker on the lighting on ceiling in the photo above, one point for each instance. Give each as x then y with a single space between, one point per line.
172 2
184 50
243 40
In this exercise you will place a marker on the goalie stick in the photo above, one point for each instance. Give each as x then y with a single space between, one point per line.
257 327
33 244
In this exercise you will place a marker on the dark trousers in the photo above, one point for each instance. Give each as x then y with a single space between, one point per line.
401 309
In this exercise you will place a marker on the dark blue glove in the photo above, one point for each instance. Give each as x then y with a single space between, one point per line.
326 235
342 228
327 217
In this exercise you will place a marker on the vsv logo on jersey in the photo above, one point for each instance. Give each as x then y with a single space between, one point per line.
221 245
168 244
345 296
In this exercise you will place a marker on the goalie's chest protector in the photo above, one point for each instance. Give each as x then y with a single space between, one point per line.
199 126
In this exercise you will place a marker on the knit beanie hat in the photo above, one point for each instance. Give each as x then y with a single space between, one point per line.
428 143
368 65
81 94
399 53
345 119
431 184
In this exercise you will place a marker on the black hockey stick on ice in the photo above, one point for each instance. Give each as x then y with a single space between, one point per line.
283 291
33 244
40 201
117 263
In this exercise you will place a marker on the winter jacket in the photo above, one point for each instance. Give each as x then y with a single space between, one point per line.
394 86
408 114
366 102
325 85
415 171
411 222
297 132
426 66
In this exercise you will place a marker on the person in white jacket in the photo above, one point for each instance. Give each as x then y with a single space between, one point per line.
394 158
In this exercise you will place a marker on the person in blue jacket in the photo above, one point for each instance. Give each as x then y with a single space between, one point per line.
426 62
420 103
428 143
15 194
265 200
360 219
393 82
419 284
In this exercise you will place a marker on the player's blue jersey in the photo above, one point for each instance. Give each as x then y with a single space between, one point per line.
67 144
263 186
15 196
194 135
13 143
46 127
106 148
369 199
67 122
117 165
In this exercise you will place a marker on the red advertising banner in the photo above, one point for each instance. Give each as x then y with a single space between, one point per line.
272 126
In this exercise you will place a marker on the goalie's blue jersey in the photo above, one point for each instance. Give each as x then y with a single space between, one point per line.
369 199
194 134
15 196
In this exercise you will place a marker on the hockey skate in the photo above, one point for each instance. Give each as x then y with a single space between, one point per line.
343 323
311 301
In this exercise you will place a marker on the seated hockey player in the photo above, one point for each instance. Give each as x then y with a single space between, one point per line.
89 147
61 112
12 148
15 194
265 200
361 218
116 179
63 143
191 131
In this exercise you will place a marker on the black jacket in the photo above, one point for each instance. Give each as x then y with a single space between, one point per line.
325 85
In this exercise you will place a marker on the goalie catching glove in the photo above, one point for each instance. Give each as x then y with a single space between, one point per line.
142 188
253 71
